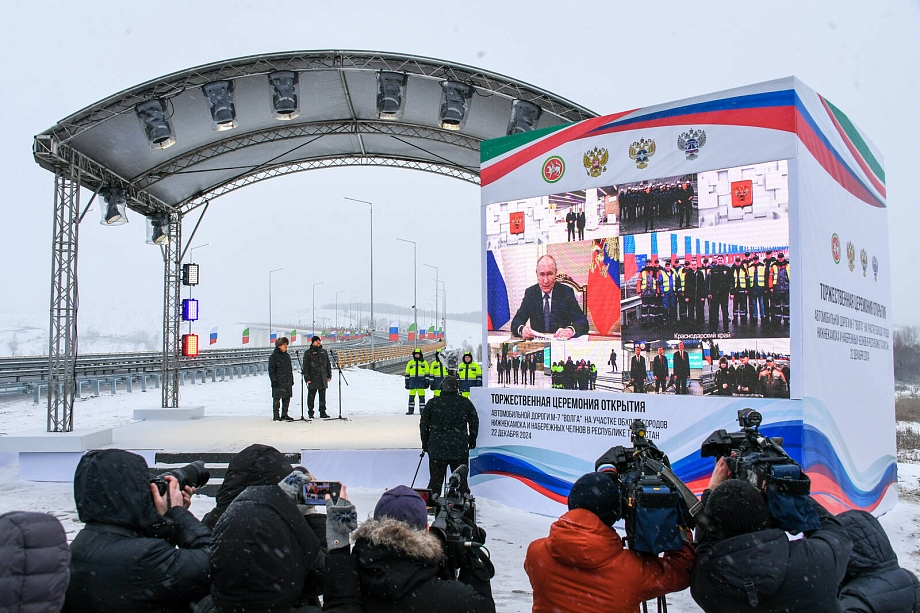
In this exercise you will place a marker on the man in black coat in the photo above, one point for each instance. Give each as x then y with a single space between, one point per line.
549 308
724 379
34 563
570 219
317 372
681 368
660 371
281 376
745 376
638 371
874 583
580 222
744 565
532 367
685 203
139 551
515 367
720 286
448 429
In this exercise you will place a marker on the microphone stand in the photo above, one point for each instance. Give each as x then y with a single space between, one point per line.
335 364
297 355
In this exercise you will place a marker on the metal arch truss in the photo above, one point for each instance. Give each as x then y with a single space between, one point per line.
325 60
172 342
62 347
269 172
317 129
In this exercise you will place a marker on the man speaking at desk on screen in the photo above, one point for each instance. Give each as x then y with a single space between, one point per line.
551 310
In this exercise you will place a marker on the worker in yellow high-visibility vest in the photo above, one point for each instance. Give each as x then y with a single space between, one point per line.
416 381
469 373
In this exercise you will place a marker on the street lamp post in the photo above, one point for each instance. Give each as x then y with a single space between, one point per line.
414 283
337 314
314 305
270 302
371 204
437 274
444 309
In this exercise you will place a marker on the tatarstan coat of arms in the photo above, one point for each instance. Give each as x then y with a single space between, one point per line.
641 150
596 162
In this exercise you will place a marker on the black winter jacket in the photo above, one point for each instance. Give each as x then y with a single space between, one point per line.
262 552
255 465
34 563
874 582
129 558
449 427
280 374
316 368
398 567
765 572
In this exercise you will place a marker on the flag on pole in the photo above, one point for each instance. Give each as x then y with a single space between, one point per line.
213 339
630 267
431 332
604 285
293 336
246 336
423 332
273 336
499 313
412 332
394 330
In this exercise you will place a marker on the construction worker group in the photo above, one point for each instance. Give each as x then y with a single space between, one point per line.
421 375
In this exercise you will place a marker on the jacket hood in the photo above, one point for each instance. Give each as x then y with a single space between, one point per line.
34 562
255 465
760 557
871 547
112 486
581 540
393 557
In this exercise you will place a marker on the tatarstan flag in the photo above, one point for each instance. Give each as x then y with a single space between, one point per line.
246 336
604 285
412 332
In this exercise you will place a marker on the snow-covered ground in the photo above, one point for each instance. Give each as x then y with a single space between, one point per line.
374 404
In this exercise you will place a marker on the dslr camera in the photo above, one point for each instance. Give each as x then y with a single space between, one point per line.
455 525
764 463
655 505
194 474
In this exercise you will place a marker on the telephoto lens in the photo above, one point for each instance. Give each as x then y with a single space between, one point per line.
194 474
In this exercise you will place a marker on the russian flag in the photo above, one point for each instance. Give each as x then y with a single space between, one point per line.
654 245
630 268
423 332
273 336
499 313
604 285
213 336
688 249
673 246
394 330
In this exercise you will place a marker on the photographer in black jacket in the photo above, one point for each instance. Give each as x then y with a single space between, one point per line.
140 551
745 564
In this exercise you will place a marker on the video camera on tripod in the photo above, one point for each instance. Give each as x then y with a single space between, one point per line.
764 463
455 526
655 505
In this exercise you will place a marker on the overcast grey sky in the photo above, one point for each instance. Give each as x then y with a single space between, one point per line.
607 56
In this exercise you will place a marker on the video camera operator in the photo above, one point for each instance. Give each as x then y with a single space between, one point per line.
747 564
399 563
583 565
140 550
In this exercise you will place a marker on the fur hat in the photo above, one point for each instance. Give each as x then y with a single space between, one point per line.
738 508
598 493
403 503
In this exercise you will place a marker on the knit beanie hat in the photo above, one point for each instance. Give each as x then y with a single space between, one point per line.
598 493
314 339
403 503
738 508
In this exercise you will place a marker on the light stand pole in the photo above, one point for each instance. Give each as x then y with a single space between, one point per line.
371 204
414 283
337 314
437 274
270 302
313 313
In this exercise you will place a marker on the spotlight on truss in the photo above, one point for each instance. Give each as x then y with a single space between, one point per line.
113 212
190 345
158 229
284 95
391 94
455 104
189 309
524 117
220 99
190 274
152 115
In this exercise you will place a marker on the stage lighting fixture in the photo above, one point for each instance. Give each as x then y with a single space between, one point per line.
220 99
158 229
455 104
189 309
284 94
391 94
190 274
152 115
190 345
113 211
524 117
